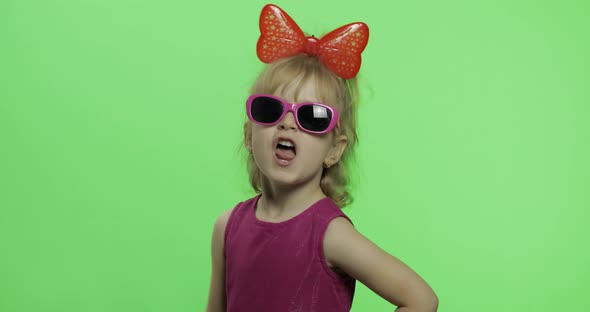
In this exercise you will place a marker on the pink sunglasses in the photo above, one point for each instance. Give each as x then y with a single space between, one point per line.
311 117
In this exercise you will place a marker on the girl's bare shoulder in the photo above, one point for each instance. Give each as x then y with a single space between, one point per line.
221 221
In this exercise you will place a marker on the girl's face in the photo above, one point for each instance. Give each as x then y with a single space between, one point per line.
303 163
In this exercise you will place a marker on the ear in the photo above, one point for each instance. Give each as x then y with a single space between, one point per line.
336 151
247 137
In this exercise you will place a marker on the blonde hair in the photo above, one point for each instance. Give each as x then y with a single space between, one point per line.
332 90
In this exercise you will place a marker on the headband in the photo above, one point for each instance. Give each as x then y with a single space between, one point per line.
340 50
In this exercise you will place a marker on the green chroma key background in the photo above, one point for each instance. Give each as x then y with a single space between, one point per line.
120 126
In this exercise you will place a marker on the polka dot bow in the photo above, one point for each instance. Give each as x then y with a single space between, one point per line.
340 50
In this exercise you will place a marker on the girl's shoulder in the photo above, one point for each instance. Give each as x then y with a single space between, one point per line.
224 218
225 215
221 223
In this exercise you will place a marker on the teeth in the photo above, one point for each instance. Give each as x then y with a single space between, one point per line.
285 143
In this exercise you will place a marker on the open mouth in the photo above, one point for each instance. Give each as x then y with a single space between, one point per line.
285 150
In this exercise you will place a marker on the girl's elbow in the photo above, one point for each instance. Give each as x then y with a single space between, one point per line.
433 304
427 304
430 301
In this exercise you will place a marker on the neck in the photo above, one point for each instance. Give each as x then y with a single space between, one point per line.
284 200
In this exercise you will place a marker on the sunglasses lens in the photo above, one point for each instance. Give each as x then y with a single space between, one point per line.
266 110
314 117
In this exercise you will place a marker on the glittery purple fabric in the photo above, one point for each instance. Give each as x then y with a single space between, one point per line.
281 266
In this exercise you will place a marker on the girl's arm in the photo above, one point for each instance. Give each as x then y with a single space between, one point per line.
349 250
217 289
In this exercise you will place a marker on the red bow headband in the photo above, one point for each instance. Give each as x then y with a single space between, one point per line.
340 50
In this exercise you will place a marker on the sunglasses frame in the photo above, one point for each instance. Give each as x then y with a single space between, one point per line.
291 107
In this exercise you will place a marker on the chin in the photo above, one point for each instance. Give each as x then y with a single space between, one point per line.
288 179
283 179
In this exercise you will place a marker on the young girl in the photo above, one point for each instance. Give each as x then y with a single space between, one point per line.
291 248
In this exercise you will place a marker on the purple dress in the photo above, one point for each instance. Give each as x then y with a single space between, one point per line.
280 267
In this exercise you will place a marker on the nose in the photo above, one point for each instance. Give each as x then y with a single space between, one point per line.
288 122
